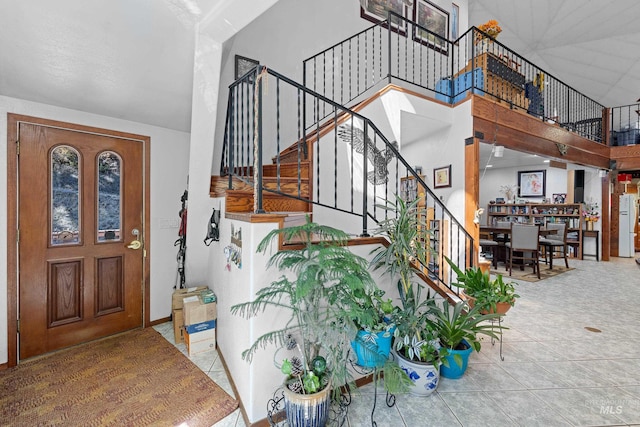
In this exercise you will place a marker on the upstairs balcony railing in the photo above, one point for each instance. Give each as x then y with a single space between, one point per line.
406 52
356 169
624 125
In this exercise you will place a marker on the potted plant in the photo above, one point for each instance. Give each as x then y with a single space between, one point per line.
320 279
371 314
491 295
372 343
459 328
415 340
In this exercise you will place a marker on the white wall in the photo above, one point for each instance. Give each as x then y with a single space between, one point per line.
292 31
256 382
169 160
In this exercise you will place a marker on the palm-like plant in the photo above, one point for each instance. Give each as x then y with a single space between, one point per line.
462 323
320 276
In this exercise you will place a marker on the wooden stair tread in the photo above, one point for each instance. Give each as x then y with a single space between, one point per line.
242 201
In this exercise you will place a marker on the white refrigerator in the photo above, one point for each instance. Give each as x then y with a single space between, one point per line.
627 236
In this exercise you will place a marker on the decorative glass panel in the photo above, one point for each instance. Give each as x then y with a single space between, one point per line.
109 196
65 196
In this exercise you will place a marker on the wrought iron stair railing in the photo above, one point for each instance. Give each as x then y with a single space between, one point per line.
355 168
410 54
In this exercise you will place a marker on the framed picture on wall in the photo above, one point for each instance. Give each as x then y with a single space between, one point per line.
455 21
442 177
559 198
531 183
378 11
243 65
434 19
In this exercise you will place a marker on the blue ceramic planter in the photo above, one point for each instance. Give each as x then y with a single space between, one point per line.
455 371
307 410
372 352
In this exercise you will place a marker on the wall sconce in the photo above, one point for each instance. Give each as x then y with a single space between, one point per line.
602 173
498 150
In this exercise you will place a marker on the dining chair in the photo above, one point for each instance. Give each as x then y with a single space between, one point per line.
491 245
524 246
555 242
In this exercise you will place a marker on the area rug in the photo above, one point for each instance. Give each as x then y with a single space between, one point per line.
133 379
528 276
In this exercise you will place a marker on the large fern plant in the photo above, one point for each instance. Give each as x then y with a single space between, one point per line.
319 276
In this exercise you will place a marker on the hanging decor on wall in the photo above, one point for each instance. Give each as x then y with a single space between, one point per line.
378 11
433 21
442 177
378 159
531 183
233 251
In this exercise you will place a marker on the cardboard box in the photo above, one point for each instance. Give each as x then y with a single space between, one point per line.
199 327
200 342
178 325
180 294
195 311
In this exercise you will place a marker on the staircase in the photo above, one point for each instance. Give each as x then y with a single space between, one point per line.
339 161
290 178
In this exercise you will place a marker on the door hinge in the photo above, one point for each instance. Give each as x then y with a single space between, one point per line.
18 235
18 147
18 324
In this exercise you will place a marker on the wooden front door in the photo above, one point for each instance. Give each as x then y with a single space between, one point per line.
80 221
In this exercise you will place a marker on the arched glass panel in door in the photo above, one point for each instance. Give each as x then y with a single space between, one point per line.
65 172
109 209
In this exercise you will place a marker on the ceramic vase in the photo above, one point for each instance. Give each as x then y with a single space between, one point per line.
307 410
424 376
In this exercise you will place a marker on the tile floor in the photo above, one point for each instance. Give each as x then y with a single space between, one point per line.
555 372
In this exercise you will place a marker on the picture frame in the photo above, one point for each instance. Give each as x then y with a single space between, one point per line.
532 183
243 65
378 11
559 198
435 19
442 177
455 21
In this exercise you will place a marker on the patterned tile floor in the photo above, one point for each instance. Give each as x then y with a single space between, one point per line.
555 372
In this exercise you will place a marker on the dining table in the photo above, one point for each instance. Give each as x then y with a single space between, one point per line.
500 253
491 229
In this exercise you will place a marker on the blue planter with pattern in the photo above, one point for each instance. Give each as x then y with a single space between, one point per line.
372 350
424 376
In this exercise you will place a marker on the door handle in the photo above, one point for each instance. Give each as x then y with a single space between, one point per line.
136 244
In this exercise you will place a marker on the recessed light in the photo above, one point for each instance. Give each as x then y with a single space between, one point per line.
489 166
546 161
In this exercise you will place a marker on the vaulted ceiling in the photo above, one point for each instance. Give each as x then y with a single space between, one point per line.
134 59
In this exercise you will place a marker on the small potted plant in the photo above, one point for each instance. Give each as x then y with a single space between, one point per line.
459 328
371 314
372 343
490 295
317 277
